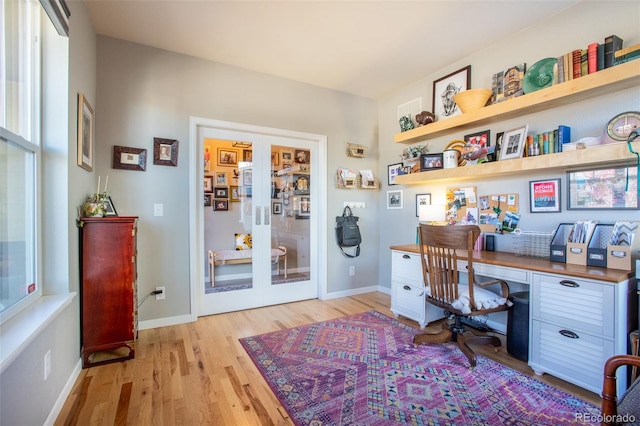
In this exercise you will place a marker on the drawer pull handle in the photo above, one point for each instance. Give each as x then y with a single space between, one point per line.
406 287
406 256
570 334
569 283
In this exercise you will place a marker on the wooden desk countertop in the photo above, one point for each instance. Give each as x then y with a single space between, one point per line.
539 265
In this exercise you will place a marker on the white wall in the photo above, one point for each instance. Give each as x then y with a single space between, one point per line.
556 36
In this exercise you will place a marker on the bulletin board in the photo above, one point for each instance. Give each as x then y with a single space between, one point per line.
462 208
498 212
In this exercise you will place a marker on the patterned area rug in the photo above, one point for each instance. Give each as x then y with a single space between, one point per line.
363 370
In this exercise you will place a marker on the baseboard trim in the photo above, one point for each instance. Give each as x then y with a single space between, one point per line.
62 398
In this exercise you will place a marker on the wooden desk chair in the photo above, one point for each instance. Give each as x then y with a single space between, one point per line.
616 412
438 245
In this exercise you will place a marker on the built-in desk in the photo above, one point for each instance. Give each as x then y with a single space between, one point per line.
579 316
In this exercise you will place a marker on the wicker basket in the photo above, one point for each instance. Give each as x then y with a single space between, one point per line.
472 99
532 244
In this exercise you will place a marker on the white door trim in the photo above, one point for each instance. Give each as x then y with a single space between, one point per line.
196 176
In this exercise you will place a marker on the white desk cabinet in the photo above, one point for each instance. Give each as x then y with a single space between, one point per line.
407 289
576 325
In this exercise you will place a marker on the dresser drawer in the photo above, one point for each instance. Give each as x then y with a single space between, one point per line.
406 267
408 301
574 303
569 354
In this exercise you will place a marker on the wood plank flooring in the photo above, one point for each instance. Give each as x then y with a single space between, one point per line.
199 374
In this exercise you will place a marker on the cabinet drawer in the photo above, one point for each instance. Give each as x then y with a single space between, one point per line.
574 303
499 272
406 266
576 356
408 301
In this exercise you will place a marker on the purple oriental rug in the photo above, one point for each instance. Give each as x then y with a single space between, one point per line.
364 370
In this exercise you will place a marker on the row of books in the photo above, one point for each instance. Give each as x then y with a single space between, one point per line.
596 57
547 142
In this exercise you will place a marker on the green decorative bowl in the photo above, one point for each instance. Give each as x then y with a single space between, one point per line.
539 75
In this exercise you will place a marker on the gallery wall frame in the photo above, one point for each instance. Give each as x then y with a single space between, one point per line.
128 158
165 152
445 87
513 143
227 157
607 188
86 131
395 199
422 200
545 196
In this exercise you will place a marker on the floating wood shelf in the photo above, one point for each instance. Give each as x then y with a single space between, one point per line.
594 156
603 82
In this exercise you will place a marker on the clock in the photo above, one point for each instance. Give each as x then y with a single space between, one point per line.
620 127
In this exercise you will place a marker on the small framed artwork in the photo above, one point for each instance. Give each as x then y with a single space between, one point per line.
610 188
221 178
221 192
393 170
220 205
111 210
208 184
444 88
127 158
85 133
227 157
422 200
275 158
165 152
234 194
430 162
544 196
245 191
207 200
302 156
394 199
287 156
247 155
276 208
513 143
247 177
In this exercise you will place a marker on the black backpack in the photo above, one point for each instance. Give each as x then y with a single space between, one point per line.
348 232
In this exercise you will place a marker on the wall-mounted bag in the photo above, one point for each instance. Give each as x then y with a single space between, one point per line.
348 232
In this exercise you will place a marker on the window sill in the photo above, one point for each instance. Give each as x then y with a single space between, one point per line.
17 333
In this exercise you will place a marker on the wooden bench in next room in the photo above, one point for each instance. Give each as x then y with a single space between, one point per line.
231 257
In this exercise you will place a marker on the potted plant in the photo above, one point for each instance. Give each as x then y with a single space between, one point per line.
96 204
411 155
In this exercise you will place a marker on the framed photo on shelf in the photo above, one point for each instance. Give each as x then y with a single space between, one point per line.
513 143
443 90
544 196
394 199
165 152
127 158
430 162
422 200
610 188
227 157
111 210
86 131
393 170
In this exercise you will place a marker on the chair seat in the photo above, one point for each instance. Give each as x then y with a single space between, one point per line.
485 299
630 402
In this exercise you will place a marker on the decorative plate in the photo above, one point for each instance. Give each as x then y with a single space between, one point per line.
539 75
458 145
620 127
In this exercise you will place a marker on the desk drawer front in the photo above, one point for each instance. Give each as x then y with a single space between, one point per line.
499 272
408 301
406 266
576 304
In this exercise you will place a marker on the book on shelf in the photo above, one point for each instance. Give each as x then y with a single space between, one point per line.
611 45
584 70
600 57
592 58
576 58
564 136
631 49
627 54
560 72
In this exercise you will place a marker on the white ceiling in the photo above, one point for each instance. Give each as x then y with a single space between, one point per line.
367 48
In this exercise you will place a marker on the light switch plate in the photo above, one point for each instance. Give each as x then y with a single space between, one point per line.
158 209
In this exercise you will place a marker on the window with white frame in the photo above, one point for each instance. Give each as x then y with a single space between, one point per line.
20 105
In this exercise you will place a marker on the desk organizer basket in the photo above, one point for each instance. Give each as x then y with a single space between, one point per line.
532 244
558 246
625 251
597 249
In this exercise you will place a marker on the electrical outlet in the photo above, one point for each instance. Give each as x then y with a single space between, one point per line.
162 295
352 271
47 364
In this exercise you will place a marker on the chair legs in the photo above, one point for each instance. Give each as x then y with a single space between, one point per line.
454 333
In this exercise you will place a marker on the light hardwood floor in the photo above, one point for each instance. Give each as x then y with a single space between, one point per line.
199 374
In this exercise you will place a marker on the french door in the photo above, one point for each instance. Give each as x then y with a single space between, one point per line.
259 219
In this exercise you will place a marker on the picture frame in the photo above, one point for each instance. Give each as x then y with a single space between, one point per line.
275 158
393 170
86 131
430 162
302 156
165 152
234 194
304 208
207 200
286 156
247 177
513 143
545 196
111 210
247 155
208 184
220 205
128 158
444 88
395 199
221 179
607 188
480 144
221 192
227 157
276 208
422 200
